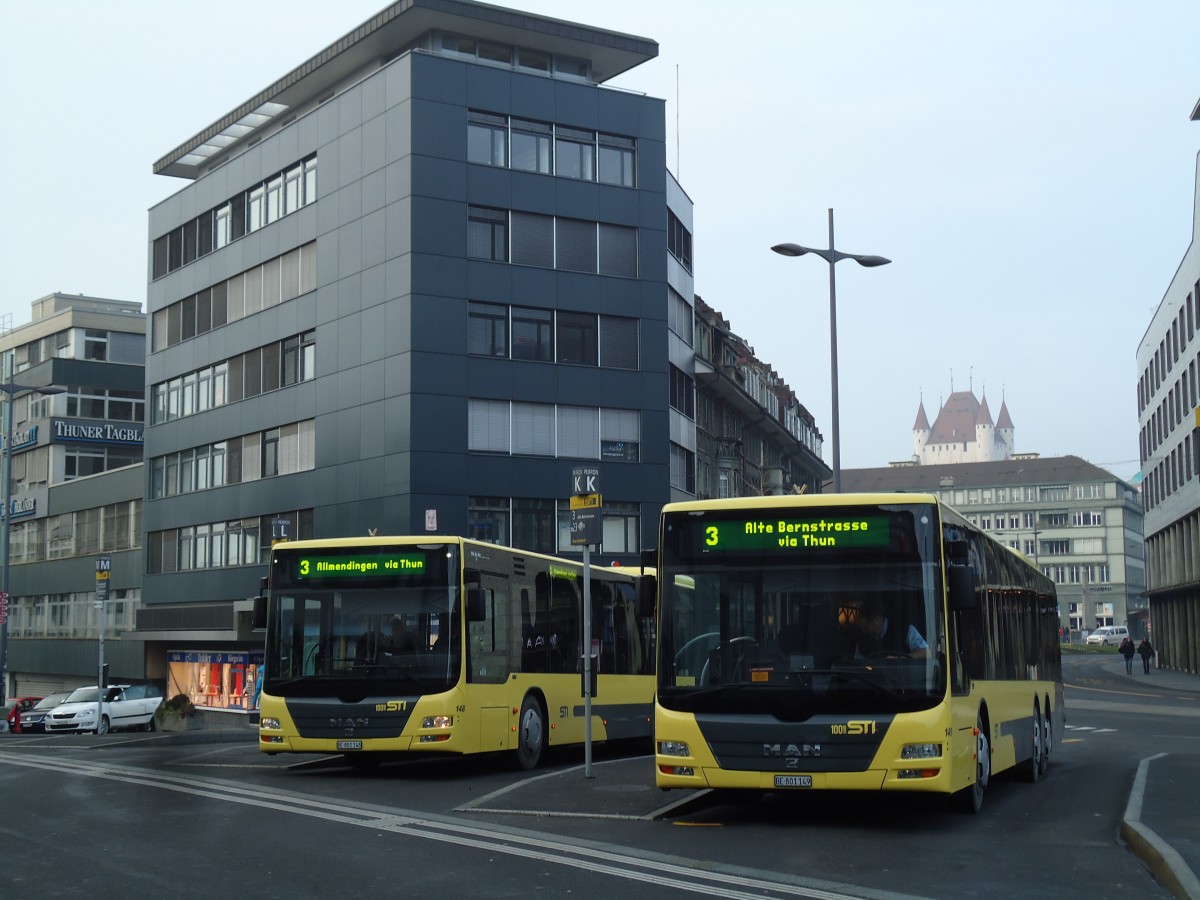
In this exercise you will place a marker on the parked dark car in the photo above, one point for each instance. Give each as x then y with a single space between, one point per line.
33 720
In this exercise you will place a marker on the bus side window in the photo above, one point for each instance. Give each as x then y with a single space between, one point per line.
565 606
492 642
535 648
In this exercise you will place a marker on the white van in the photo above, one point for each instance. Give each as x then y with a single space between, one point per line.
1110 635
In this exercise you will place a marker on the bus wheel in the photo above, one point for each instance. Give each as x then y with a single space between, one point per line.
1033 768
1047 738
970 799
531 733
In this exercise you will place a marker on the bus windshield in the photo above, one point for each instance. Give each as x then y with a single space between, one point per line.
795 611
378 620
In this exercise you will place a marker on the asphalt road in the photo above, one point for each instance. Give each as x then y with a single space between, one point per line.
106 816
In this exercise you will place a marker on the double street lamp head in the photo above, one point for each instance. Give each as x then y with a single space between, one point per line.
831 256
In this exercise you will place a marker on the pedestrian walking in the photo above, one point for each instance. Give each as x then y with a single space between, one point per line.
1127 651
1146 652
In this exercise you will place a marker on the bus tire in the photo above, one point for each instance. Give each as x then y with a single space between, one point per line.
970 799
1034 767
531 733
1047 735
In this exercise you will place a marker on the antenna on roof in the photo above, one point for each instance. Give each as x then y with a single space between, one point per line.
678 172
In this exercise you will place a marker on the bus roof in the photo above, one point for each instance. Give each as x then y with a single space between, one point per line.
799 501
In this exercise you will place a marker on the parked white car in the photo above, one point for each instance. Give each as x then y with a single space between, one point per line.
1110 635
125 706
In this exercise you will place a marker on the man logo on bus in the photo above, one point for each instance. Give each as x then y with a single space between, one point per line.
349 724
791 750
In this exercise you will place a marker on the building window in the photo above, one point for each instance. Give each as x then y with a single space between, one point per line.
683 393
683 469
532 334
577 340
487 519
679 241
95 344
618 251
532 240
620 435
488 426
575 245
487 329
533 430
533 524
679 316
487 139
578 432
618 342
575 153
487 234
531 148
617 160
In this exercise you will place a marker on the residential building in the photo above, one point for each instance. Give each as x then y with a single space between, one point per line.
1168 399
409 287
75 499
754 436
1079 523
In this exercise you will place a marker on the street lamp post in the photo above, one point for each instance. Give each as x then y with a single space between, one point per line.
9 388
832 257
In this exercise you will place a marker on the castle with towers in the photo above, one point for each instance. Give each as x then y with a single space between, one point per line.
963 432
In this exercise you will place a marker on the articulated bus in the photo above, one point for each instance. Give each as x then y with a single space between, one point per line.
445 645
872 642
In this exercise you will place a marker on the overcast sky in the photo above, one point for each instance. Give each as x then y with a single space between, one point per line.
1029 167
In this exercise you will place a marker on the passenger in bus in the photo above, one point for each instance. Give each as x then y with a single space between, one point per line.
866 631
402 640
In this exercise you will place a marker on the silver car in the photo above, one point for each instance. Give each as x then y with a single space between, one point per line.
125 706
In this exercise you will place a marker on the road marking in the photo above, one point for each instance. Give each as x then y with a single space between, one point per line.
589 858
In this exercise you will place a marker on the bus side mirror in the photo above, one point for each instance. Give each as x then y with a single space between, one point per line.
258 621
647 587
476 605
962 588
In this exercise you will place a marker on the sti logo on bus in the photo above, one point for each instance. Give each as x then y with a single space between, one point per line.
854 726
392 706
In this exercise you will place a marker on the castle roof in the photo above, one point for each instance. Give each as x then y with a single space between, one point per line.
1004 421
922 423
957 419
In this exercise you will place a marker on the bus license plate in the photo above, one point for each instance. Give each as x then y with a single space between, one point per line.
355 745
793 781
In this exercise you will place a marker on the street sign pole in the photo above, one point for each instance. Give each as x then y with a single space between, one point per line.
586 529
103 568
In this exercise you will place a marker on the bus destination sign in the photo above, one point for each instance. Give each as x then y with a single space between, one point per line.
361 565
763 534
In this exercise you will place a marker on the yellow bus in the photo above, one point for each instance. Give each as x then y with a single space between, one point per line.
445 645
871 642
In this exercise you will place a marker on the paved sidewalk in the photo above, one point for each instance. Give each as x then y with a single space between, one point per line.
1159 826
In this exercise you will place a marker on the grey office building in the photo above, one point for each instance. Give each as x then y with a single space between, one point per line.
409 287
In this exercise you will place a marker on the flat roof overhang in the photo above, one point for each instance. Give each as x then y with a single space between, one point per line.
389 32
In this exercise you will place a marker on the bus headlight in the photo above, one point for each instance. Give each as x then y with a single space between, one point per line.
673 748
921 751
270 723
437 722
